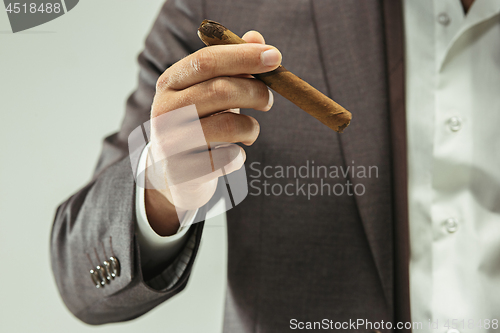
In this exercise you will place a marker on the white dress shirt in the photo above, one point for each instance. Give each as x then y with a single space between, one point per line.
453 120
155 249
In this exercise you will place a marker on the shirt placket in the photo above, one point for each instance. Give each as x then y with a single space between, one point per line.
452 152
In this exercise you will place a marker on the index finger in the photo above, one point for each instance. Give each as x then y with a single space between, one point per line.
220 60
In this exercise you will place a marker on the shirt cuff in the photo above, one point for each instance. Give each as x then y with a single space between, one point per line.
155 249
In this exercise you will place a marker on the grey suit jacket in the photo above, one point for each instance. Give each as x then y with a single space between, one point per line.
336 257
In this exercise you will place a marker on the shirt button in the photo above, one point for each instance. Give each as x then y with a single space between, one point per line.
443 19
455 123
451 225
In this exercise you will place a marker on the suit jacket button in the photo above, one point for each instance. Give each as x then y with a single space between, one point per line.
107 270
95 278
115 266
101 273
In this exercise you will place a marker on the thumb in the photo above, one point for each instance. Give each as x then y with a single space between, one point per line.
253 36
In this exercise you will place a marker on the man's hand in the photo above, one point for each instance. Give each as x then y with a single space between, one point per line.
216 79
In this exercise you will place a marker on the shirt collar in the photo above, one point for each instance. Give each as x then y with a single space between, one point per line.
480 11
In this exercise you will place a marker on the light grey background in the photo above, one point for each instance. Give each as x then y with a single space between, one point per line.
56 80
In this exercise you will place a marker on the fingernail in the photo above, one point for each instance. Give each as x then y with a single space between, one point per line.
270 102
271 57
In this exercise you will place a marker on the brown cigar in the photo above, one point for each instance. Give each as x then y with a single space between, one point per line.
284 82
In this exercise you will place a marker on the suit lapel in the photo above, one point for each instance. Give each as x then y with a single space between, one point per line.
351 37
394 37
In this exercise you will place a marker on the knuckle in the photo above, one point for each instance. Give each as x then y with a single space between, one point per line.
163 82
261 93
247 57
241 57
228 124
203 62
221 89
244 60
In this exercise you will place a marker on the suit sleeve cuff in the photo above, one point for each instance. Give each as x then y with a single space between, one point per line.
155 249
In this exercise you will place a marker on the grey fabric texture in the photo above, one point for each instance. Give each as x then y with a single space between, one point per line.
105 207
289 256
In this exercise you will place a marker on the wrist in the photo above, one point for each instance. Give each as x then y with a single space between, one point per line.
161 213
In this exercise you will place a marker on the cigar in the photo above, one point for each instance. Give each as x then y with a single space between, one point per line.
288 85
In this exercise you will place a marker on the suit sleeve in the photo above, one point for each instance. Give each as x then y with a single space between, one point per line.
99 220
